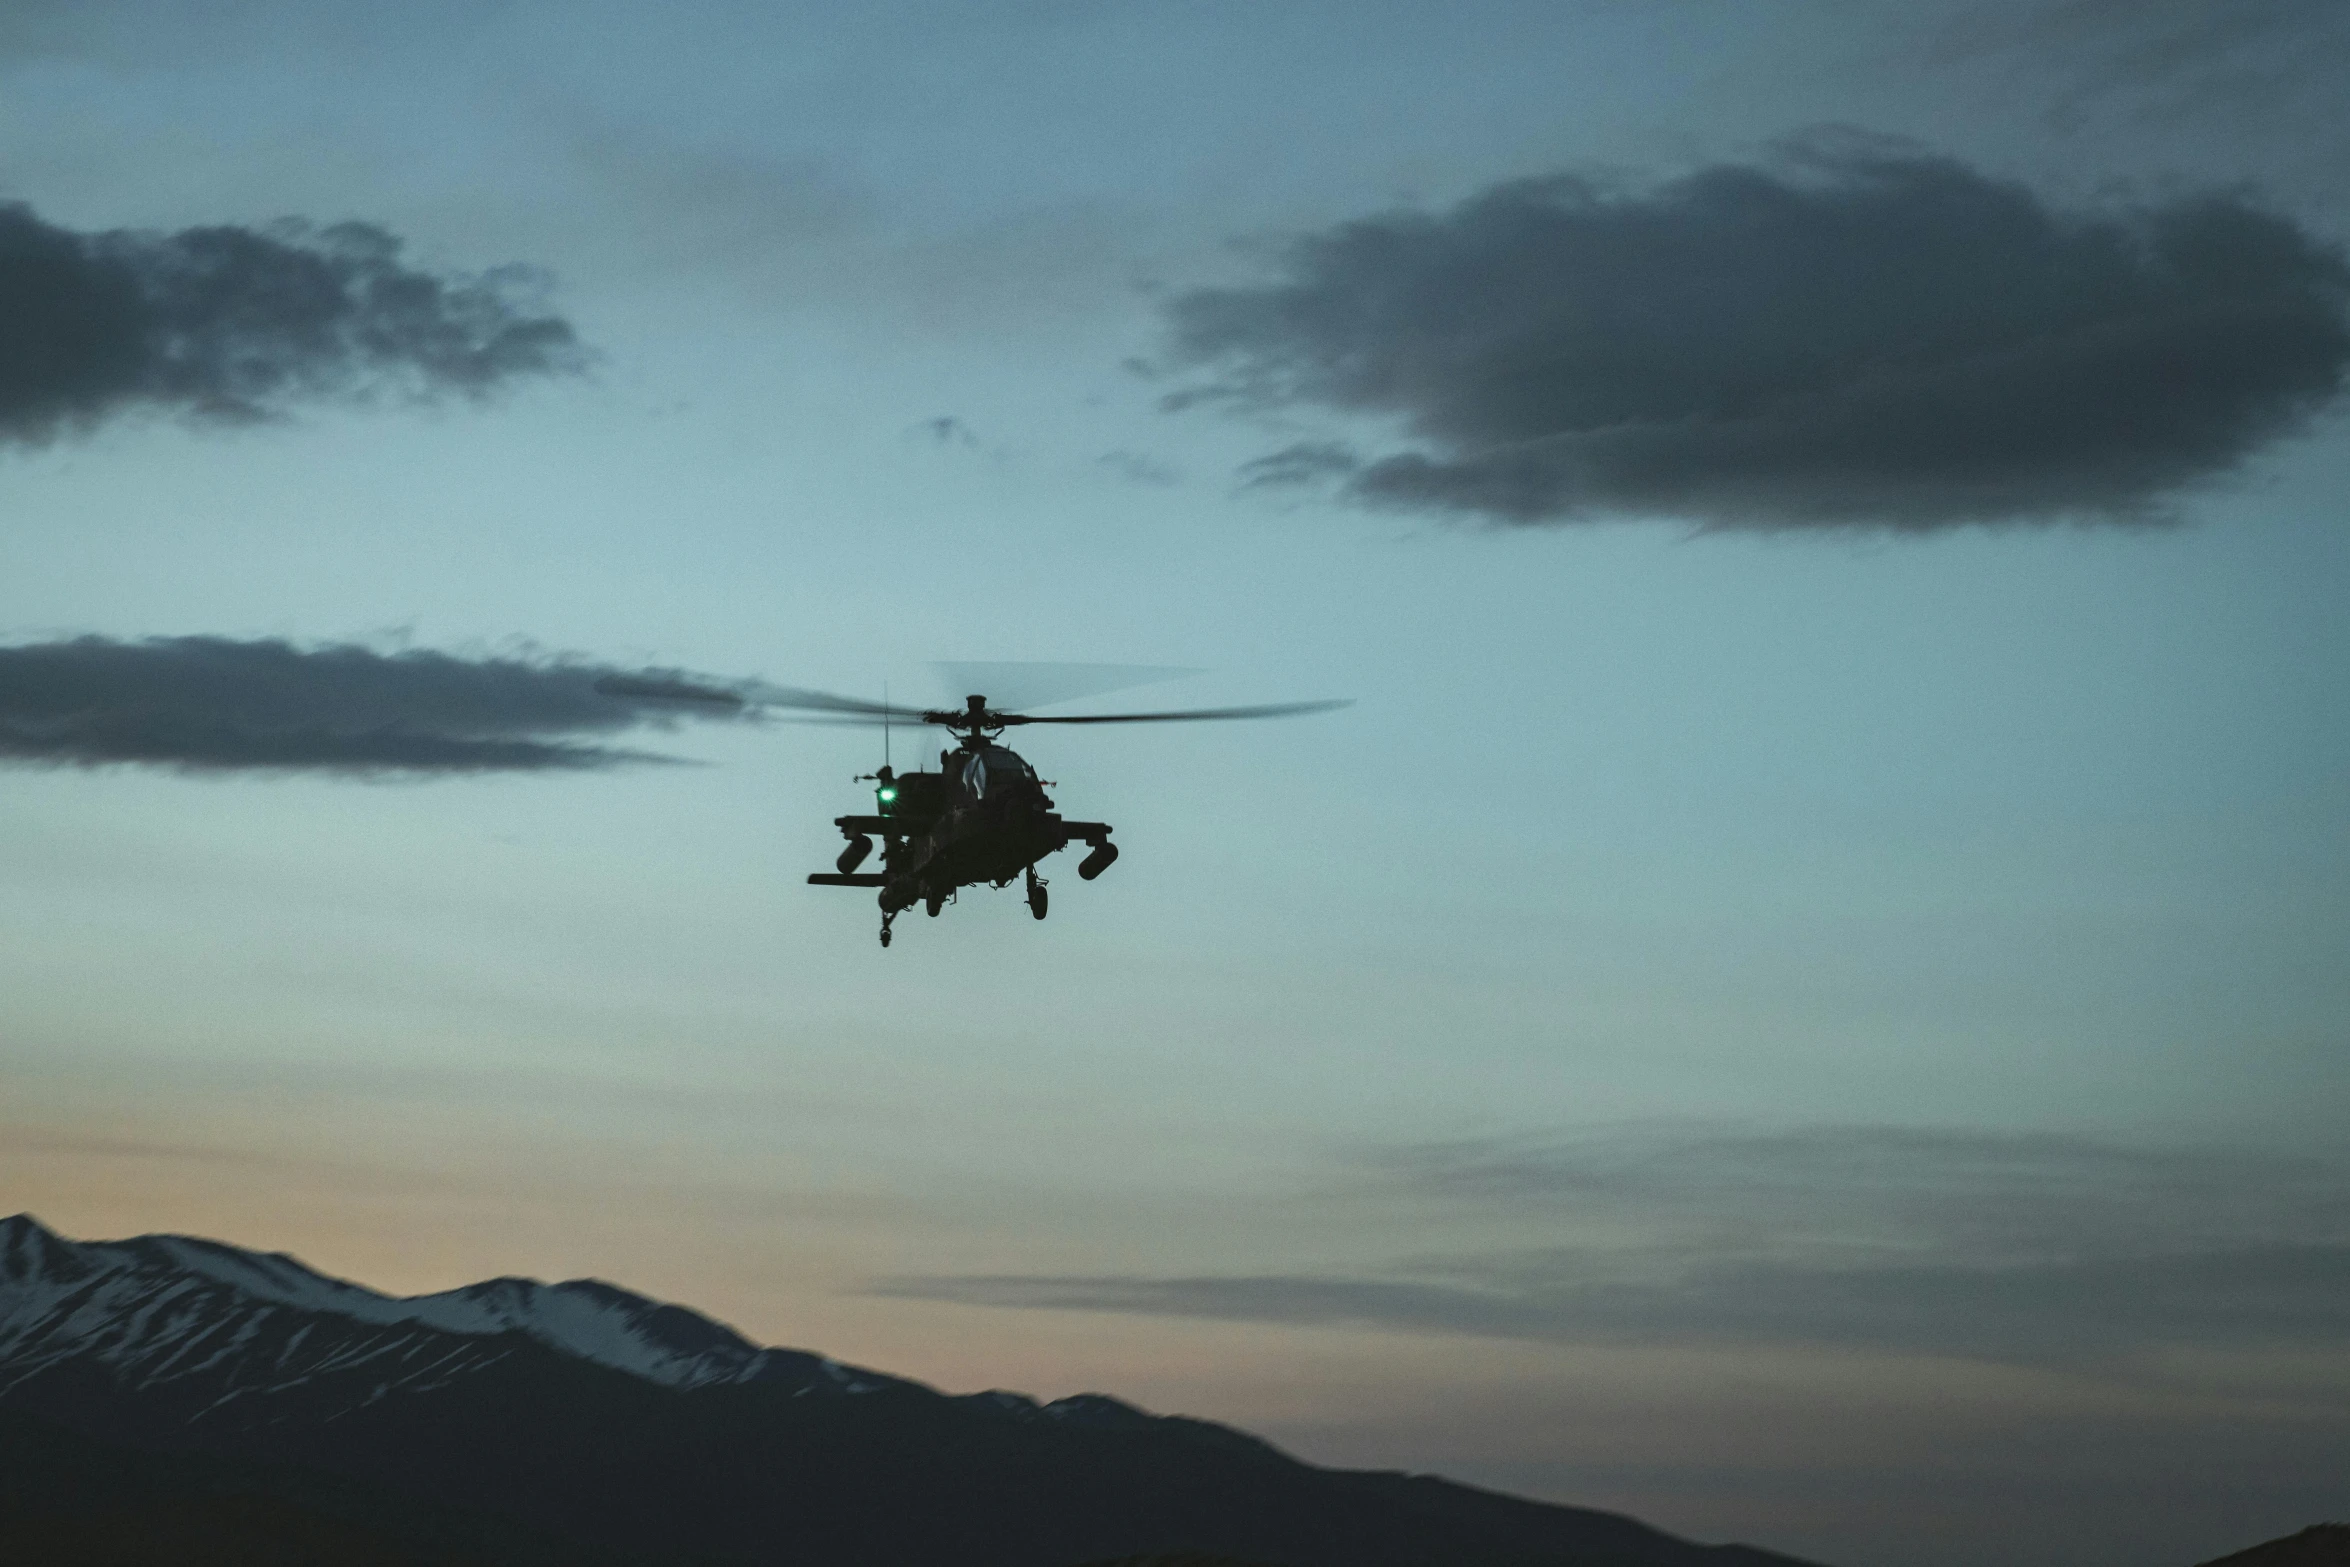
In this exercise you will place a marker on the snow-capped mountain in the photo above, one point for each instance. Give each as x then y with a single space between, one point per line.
172 1304
612 1429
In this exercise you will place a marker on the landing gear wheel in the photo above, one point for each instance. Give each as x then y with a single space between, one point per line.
1037 901
931 906
885 919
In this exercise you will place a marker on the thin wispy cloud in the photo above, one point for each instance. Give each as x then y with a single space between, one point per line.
947 430
1859 335
1137 468
233 324
2019 1249
213 704
2218 63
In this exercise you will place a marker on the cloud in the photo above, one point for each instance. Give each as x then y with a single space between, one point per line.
1985 1194
2027 1250
1861 335
947 430
1136 468
2028 1314
2243 63
230 324
215 705
1305 463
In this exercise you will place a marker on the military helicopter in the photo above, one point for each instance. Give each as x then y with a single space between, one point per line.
984 816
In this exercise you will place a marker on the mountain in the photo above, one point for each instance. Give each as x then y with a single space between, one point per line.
160 1305
514 1422
2319 1545
69 1501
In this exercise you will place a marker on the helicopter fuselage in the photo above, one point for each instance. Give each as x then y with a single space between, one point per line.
982 818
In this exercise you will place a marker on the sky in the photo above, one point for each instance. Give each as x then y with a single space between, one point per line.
1802 1001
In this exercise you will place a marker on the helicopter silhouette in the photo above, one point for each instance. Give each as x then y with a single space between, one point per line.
983 817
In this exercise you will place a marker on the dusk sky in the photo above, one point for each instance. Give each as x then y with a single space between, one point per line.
1804 1000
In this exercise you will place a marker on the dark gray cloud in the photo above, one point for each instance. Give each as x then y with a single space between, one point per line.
1863 335
213 704
229 323
2020 1249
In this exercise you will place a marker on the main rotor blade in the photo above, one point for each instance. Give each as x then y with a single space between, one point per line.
760 694
1188 715
1016 687
855 710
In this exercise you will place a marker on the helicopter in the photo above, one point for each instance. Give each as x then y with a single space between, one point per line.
982 818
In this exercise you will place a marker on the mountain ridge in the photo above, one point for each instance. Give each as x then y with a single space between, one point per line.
595 1320
583 1410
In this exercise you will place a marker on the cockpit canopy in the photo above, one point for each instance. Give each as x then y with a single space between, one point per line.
989 771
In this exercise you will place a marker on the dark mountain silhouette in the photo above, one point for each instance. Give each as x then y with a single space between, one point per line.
68 1500
225 1531
2319 1545
222 1391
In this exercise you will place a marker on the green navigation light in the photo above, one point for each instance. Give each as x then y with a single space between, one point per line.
888 795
